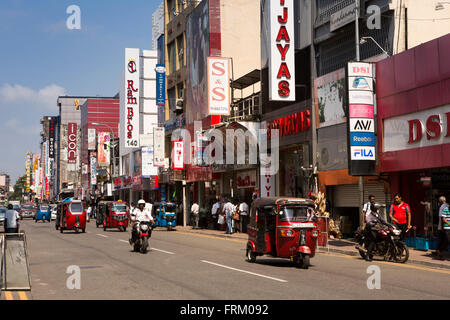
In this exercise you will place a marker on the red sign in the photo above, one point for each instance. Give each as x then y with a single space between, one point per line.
72 143
178 154
433 128
117 183
292 124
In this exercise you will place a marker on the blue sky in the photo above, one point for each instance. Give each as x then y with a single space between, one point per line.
40 58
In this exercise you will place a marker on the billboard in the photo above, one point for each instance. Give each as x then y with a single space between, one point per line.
219 91
93 169
197 35
132 100
178 154
104 149
72 142
361 123
281 51
92 139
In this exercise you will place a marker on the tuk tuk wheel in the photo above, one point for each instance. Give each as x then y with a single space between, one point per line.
97 224
251 256
104 228
302 261
61 230
83 230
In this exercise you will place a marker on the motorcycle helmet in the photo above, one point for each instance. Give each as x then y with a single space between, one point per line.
141 202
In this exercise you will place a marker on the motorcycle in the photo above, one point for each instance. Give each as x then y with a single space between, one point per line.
387 243
144 233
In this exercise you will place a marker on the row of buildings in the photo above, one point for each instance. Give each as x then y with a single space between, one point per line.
284 64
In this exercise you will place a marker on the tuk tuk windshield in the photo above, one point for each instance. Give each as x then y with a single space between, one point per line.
170 208
120 208
43 208
295 213
76 207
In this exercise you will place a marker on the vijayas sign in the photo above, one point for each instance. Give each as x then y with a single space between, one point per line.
132 72
281 55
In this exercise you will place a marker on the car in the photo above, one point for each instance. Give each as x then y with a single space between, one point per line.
53 208
2 215
28 211
17 208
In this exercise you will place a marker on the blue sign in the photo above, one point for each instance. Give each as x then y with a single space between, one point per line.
366 139
160 85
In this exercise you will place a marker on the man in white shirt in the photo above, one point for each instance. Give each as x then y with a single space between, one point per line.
11 220
243 212
366 209
138 215
443 223
228 210
195 214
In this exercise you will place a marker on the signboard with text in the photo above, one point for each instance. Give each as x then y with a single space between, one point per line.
132 100
361 122
178 154
219 93
72 131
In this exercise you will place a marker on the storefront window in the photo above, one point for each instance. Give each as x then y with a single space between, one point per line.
292 181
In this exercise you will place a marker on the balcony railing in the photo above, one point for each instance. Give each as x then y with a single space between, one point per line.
247 109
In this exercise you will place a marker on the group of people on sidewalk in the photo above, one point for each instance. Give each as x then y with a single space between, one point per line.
400 214
224 214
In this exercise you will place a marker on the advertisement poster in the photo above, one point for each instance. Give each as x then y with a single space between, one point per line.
160 85
330 99
148 168
93 169
51 138
92 141
159 146
178 154
104 148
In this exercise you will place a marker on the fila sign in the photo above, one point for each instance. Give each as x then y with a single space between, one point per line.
361 123
281 51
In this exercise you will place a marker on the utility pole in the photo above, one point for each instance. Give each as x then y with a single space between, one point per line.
360 178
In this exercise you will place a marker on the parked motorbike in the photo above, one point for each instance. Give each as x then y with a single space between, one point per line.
144 231
387 243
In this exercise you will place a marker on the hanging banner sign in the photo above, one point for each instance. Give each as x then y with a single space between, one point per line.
148 168
361 122
93 169
132 100
281 51
219 92
160 85
51 138
158 146
178 154
28 182
72 142
103 149
92 139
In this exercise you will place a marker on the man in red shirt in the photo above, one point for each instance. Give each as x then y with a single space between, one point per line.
400 214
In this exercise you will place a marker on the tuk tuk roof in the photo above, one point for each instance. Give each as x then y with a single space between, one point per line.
267 201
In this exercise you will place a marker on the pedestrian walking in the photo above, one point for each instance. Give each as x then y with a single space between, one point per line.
366 209
228 210
236 218
89 212
215 212
195 214
443 227
400 214
11 223
243 212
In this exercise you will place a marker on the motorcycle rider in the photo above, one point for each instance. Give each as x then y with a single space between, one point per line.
372 219
138 215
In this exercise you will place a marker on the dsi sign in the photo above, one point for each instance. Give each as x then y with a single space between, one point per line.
160 84
361 123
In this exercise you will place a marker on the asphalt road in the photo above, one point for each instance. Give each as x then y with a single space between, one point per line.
192 266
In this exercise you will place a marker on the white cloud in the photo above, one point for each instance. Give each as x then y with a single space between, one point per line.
43 99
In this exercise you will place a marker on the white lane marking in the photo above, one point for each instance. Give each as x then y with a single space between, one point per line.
252 273
101 235
168 252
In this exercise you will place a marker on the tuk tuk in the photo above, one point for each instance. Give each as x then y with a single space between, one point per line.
113 214
70 215
43 213
165 214
284 228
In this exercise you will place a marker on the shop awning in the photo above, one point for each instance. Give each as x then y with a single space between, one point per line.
247 80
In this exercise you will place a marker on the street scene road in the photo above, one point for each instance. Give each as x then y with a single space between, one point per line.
186 266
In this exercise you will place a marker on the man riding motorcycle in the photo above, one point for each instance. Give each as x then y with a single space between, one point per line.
372 220
138 215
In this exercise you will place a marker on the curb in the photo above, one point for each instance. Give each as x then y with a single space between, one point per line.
213 234
411 261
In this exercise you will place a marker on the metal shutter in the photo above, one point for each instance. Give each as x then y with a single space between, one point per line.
348 195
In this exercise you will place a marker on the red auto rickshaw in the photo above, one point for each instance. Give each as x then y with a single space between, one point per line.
71 215
284 228
113 214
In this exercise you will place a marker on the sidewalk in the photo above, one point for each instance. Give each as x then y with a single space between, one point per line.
346 247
